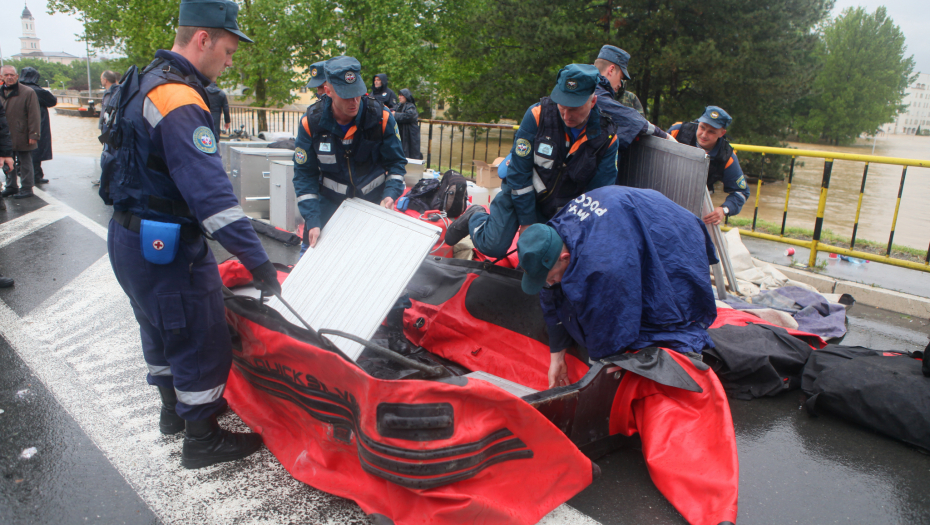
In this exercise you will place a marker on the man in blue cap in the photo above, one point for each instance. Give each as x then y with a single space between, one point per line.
167 185
708 133
563 148
317 79
347 146
620 269
612 62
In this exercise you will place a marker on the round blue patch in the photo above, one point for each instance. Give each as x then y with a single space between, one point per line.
523 147
204 140
300 156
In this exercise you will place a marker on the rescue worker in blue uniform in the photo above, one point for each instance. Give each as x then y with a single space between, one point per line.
708 133
169 188
347 146
317 79
623 269
564 147
611 65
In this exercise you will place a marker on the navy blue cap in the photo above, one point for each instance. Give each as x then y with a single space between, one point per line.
617 56
716 117
211 13
539 247
345 75
574 85
317 76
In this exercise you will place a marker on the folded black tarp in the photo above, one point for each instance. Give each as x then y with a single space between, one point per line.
756 360
887 393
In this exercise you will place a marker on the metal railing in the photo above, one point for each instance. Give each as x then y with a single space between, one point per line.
437 128
815 244
275 120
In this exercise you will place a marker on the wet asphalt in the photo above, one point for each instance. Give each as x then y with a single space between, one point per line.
794 468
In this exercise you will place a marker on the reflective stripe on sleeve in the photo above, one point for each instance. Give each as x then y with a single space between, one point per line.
150 112
334 186
650 128
200 398
538 184
159 371
223 218
308 197
326 159
396 177
740 195
368 188
522 191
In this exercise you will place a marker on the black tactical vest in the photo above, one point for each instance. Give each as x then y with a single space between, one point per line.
688 135
565 176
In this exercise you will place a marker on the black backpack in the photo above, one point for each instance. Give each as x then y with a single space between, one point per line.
452 197
421 197
114 129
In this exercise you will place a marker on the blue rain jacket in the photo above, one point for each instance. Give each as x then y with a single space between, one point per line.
638 276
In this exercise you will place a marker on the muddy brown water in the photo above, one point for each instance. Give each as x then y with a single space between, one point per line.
78 137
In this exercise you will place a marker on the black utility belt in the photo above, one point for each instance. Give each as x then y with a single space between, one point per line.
190 233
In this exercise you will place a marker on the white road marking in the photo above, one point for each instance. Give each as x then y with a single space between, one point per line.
16 229
83 344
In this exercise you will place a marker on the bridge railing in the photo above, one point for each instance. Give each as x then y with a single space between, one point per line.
448 144
815 244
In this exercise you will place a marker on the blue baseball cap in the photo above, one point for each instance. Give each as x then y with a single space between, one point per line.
211 13
345 75
538 248
616 56
574 85
317 76
716 117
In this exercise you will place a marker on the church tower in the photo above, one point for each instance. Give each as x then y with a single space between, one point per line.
30 41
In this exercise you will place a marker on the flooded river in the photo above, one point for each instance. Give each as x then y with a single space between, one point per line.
78 137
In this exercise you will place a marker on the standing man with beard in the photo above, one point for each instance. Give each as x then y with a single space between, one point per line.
22 113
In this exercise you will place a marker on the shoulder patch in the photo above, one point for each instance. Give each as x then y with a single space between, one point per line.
204 140
523 147
300 155
741 182
397 131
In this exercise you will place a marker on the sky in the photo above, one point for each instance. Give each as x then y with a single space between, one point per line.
57 32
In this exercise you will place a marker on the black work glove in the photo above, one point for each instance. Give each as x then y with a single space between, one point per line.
265 277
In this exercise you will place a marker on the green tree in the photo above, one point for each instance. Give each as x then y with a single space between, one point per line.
862 79
289 35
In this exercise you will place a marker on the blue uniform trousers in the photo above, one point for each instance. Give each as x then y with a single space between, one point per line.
492 234
181 315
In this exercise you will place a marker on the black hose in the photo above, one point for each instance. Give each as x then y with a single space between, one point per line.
430 371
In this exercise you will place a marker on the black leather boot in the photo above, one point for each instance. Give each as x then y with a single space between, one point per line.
169 422
206 443
458 230
9 191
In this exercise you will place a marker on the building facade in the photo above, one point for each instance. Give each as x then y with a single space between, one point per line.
916 118
30 47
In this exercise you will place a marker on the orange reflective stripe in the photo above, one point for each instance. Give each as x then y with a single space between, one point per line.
536 111
613 141
581 140
384 119
674 133
169 97
351 132
729 163
306 125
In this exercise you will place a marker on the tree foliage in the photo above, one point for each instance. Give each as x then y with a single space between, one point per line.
862 77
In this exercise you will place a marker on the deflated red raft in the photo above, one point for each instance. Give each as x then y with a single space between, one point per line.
414 451
460 450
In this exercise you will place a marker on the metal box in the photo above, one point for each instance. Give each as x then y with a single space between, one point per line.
675 170
284 212
250 174
225 145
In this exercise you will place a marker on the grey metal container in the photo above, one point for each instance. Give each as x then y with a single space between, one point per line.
250 174
284 212
226 144
675 170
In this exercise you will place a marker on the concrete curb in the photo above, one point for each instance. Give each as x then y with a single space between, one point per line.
890 300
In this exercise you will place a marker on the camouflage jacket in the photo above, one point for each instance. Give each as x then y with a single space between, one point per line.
630 100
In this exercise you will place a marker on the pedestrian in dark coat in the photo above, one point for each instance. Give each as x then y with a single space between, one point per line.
30 77
405 114
22 113
219 105
382 92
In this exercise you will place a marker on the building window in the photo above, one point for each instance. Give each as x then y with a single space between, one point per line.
303 89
